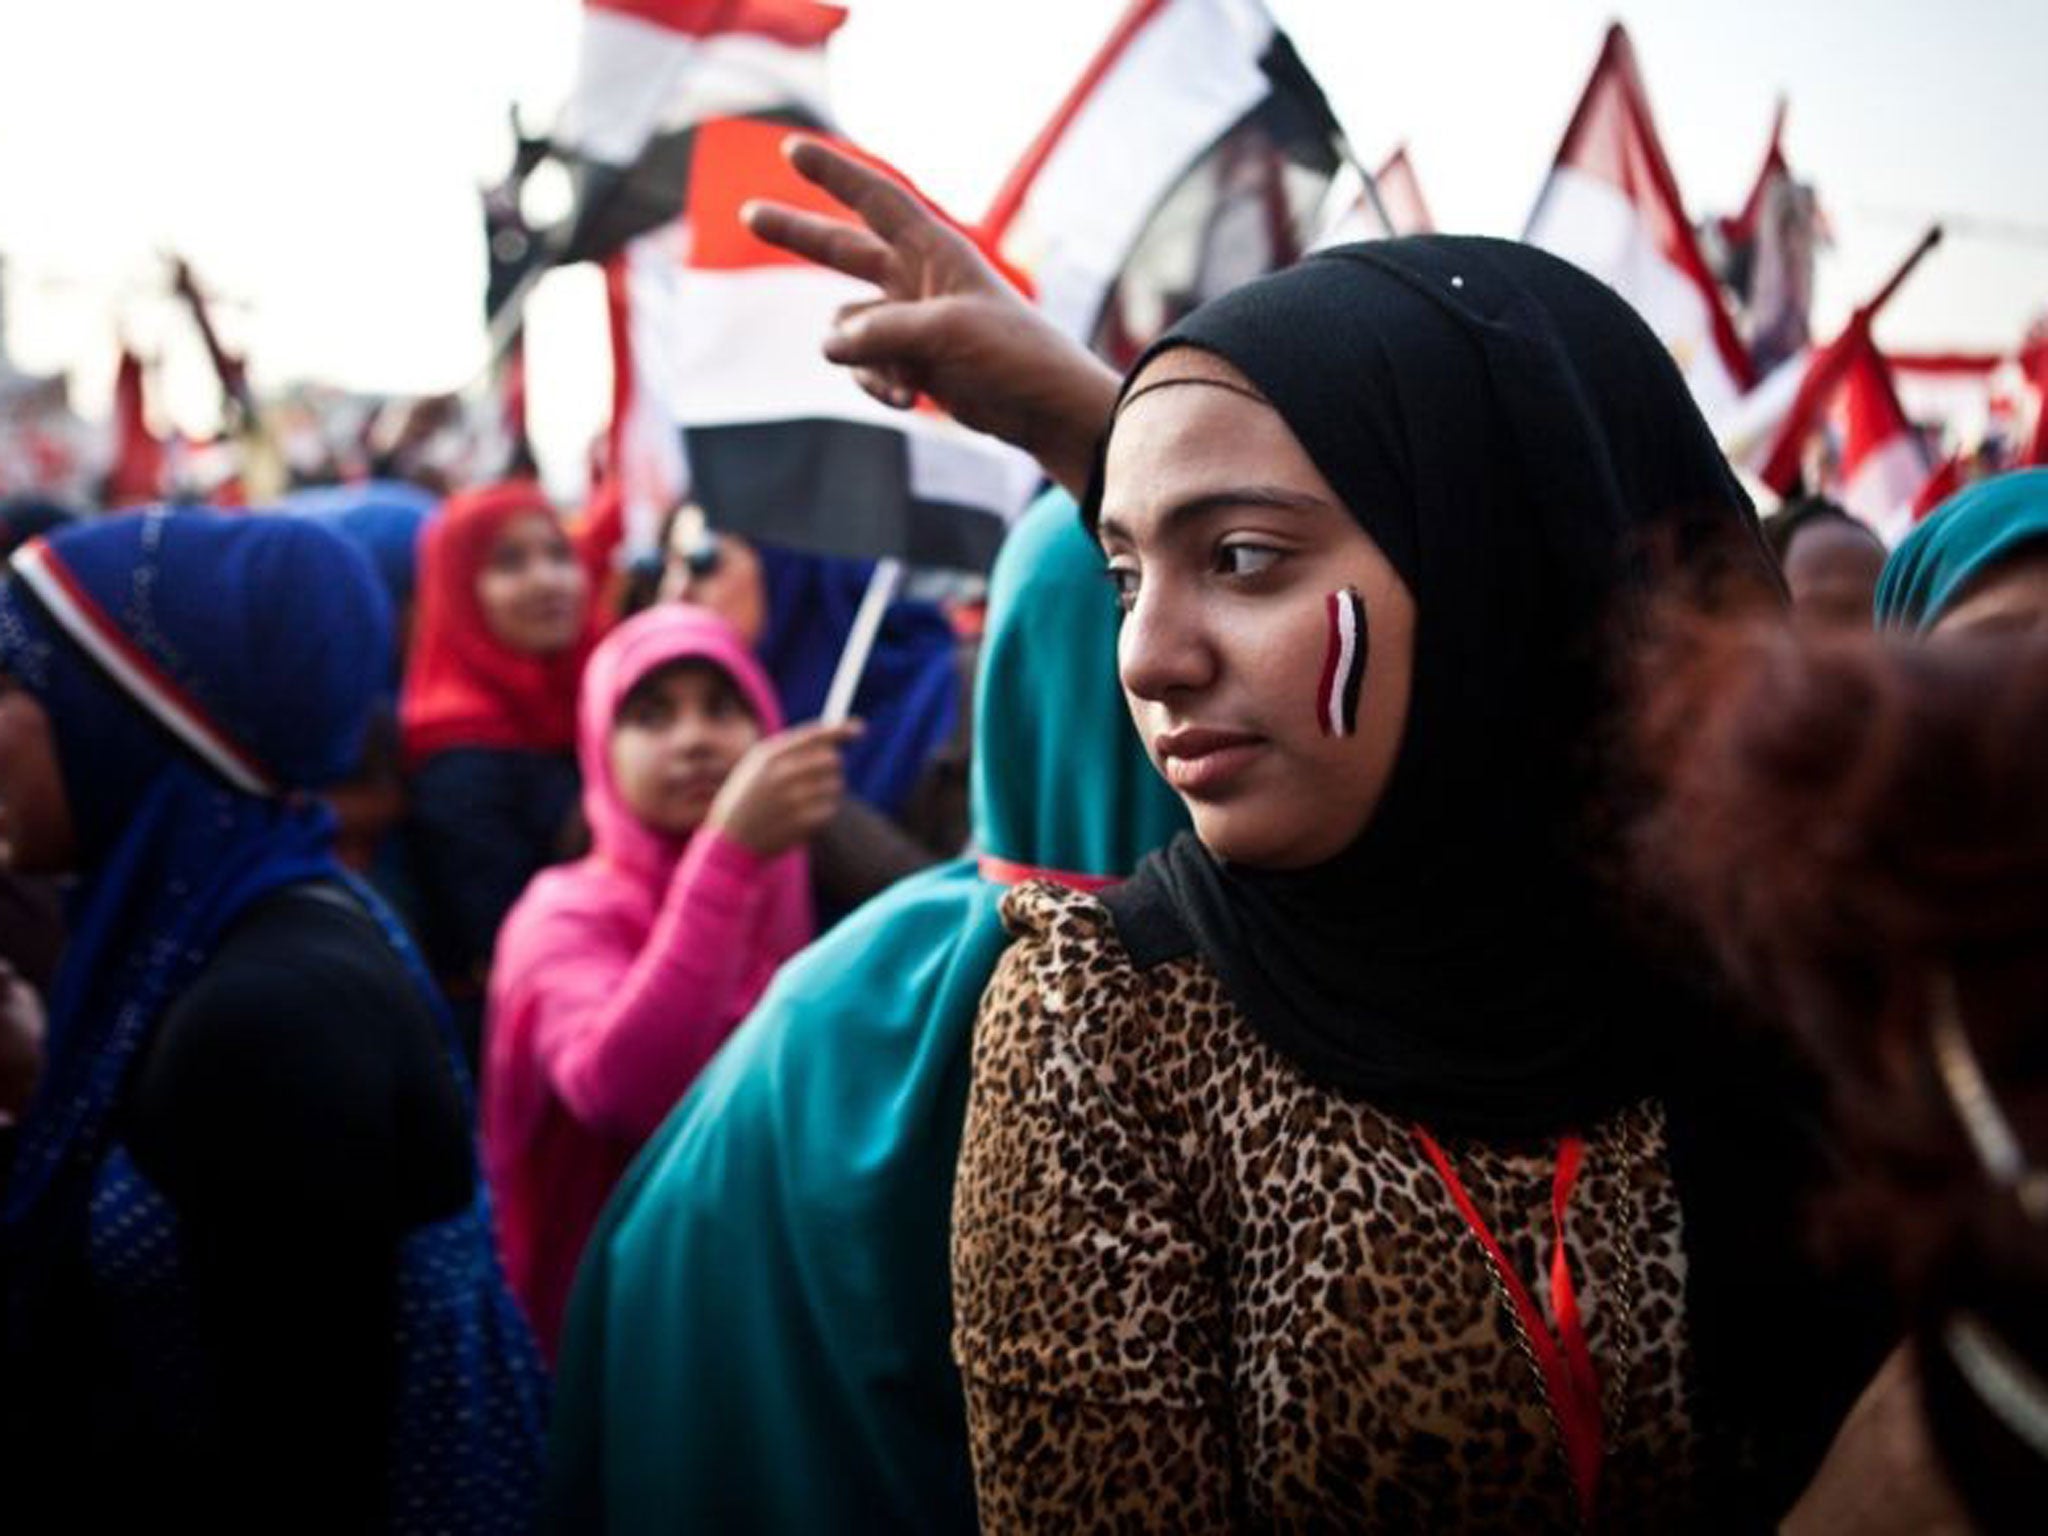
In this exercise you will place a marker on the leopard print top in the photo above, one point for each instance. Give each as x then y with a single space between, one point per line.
1195 1291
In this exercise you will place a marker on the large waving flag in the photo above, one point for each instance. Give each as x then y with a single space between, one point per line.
1195 153
1882 463
719 388
1846 392
1884 460
649 70
1611 206
781 444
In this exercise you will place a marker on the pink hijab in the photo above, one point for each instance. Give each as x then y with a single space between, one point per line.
666 633
612 984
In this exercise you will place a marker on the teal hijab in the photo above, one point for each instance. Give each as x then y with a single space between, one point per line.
1959 541
759 1334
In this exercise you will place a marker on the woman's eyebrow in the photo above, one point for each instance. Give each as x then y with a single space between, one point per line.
1272 497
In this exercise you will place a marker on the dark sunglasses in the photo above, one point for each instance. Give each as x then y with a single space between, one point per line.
701 559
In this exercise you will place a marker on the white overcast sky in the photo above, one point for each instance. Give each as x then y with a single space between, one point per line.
318 163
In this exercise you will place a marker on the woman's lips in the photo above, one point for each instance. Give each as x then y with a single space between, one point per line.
551 613
1201 761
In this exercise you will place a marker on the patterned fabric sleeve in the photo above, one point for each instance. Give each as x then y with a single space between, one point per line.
1088 1313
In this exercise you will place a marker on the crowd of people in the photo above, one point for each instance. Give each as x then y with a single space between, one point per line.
1415 967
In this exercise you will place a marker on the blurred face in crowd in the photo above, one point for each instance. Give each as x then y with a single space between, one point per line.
714 570
35 818
532 587
677 735
1832 568
1224 545
2011 598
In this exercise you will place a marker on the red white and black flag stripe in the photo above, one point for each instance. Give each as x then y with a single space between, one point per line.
781 445
1611 206
1195 153
74 610
649 71
1343 664
1848 394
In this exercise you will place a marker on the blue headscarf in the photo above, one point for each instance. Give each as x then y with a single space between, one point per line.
910 693
382 518
1961 539
199 671
201 674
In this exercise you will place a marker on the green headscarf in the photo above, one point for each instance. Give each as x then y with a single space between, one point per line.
759 1335
1961 539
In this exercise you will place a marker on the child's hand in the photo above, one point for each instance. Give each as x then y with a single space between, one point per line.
786 787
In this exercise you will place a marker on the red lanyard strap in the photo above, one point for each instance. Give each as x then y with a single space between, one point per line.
1008 872
1569 1378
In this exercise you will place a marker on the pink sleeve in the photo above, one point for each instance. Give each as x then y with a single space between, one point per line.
620 1048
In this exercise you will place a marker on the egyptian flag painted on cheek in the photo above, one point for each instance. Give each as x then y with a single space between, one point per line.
1343 663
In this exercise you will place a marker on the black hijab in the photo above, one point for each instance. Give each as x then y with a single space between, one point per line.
1524 451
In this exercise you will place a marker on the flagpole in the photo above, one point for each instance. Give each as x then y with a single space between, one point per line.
860 640
1913 259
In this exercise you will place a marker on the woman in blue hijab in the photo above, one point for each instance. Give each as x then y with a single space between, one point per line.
1979 561
759 1335
245 1252
380 517
383 519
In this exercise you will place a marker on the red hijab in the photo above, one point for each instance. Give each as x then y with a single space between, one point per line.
463 686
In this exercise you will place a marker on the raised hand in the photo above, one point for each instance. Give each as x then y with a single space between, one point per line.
785 788
946 323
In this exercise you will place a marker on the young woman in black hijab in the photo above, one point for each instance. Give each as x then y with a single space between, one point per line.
1354 1165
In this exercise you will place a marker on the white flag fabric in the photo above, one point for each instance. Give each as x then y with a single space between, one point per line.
1876 464
1611 205
647 67
721 337
1884 462
1194 153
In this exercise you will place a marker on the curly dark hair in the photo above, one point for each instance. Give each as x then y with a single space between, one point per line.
1848 823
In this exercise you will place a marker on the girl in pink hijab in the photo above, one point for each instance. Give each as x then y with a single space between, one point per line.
617 977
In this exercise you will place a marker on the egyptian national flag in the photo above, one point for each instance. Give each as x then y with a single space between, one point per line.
648 73
1195 153
723 332
648 70
136 474
1612 206
1882 462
